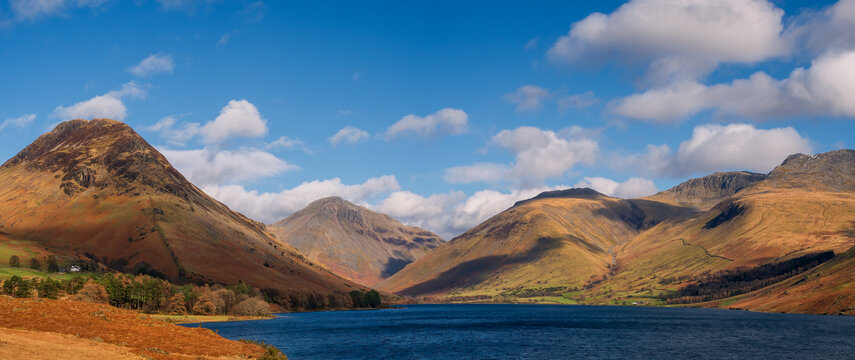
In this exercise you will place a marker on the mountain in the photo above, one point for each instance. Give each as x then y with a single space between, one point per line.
705 192
776 242
557 239
96 190
352 241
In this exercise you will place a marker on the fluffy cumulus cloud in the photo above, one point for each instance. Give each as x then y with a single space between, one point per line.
239 118
443 122
677 38
721 148
631 188
153 64
826 88
20 121
349 135
109 105
33 9
206 166
538 155
528 98
274 206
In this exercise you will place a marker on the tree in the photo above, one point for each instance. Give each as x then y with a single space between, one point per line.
252 307
372 298
48 288
35 264
92 293
53 264
14 261
175 305
23 290
204 306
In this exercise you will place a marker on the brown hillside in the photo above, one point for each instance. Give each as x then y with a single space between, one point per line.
560 239
96 189
352 241
103 331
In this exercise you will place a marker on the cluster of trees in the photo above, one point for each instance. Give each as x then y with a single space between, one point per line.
150 294
367 299
729 283
147 291
52 263
38 287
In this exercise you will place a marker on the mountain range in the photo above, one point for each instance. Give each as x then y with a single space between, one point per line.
580 246
783 241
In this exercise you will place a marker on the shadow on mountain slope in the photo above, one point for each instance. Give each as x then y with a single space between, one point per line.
480 269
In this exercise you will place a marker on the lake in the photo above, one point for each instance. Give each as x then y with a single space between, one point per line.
488 331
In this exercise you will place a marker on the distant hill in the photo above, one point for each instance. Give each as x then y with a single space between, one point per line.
96 190
575 246
352 241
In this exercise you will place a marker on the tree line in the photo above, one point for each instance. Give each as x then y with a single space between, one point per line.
727 283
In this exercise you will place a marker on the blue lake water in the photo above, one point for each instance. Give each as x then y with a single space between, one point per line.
487 331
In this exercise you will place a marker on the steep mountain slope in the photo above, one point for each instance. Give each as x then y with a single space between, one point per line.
352 241
558 239
96 189
805 206
705 192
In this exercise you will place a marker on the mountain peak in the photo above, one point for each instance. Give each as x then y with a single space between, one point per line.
706 191
833 170
101 154
578 193
353 241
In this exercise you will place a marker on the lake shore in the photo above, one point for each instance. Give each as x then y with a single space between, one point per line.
192 319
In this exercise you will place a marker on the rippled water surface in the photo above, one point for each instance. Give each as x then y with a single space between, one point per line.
550 332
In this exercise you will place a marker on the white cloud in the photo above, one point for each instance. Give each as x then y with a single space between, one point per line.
210 167
719 148
539 155
443 122
270 207
828 30
349 135
239 118
109 105
153 64
179 134
284 142
827 88
677 39
20 121
577 101
450 214
631 188
528 98
33 9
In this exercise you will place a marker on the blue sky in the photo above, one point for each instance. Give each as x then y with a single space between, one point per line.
446 112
